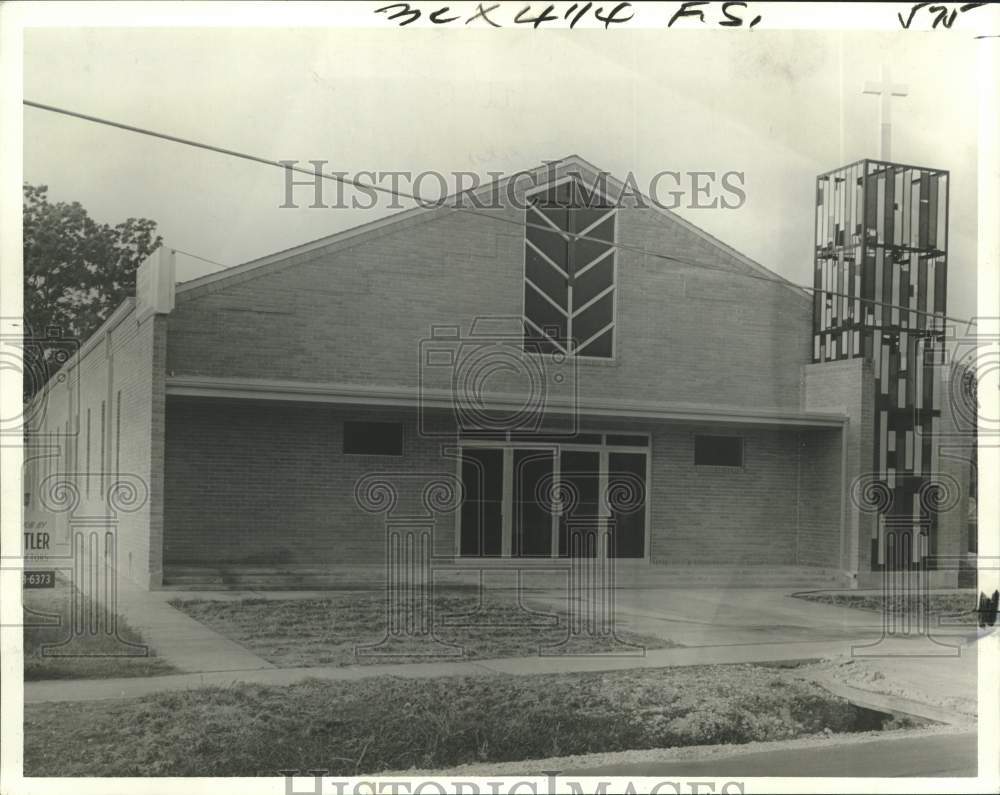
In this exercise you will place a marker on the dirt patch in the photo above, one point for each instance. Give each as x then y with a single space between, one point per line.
389 723
352 628
957 603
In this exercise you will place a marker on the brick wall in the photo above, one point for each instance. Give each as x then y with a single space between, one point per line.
820 499
267 483
846 387
356 311
98 428
721 515
954 457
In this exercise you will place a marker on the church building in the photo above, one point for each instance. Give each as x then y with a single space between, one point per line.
567 376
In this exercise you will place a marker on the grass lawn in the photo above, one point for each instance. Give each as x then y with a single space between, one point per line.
48 619
943 603
389 723
306 632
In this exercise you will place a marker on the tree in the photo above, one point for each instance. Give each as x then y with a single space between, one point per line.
76 271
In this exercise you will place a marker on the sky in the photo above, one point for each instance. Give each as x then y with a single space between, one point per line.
779 106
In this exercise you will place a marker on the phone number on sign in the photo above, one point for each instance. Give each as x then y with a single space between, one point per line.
39 579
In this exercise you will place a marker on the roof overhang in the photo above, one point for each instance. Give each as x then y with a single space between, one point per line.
410 397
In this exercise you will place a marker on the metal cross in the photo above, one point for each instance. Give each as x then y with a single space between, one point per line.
886 90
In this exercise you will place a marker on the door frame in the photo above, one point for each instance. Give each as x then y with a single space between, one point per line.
507 502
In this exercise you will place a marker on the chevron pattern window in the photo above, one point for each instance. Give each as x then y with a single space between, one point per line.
569 273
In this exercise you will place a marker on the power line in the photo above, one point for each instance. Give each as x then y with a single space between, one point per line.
195 256
220 150
343 180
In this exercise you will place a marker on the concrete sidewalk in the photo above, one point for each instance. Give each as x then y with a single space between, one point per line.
691 617
939 688
706 617
98 689
716 626
182 641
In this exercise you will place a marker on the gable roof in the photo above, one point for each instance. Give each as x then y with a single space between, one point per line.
567 166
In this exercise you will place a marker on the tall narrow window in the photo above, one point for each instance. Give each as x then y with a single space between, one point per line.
101 476
88 454
569 272
118 435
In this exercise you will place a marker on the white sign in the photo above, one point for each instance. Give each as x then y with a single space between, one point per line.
155 284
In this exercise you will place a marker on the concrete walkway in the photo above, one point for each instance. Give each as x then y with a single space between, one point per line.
943 689
180 640
700 617
716 626
99 689
689 617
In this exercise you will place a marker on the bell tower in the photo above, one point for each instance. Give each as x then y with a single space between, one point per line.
880 279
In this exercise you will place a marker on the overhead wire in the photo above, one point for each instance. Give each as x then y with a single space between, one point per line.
342 179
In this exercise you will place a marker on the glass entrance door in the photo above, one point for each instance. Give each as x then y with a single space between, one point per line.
482 509
627 504
580 474
534 482
541 500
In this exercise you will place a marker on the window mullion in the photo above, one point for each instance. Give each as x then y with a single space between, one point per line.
570 218
571 279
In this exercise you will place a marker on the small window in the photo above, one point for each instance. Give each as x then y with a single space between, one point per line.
373 438
627 440
718 451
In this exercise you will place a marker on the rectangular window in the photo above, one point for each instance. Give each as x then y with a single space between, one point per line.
118 436
88 454
373 438
626 492
482 506
532 525
627 440
103 472
569 272
718 451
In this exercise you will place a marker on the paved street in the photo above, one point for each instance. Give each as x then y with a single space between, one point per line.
935 755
